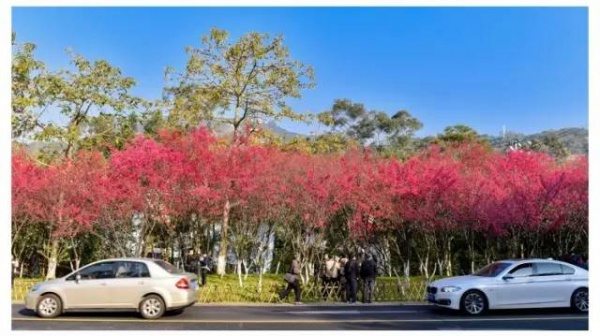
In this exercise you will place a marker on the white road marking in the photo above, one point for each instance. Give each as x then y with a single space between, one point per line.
352 312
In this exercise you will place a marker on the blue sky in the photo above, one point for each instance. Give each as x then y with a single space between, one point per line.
526 68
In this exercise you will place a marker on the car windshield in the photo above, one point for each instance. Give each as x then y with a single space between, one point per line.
492 270
168 267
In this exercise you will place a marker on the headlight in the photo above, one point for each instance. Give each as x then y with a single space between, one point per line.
450 289
35 287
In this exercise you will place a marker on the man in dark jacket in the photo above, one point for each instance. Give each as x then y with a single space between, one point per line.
292 277
351 272
368 271
205 266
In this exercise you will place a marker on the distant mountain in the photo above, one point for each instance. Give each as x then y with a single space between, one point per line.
223 128
273 127
574 139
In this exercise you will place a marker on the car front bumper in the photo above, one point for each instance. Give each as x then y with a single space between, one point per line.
447 300
31 300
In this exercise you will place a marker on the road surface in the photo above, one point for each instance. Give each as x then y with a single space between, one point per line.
308 317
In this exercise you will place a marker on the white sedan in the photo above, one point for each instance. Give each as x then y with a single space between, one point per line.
514 284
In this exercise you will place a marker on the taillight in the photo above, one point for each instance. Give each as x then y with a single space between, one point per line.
183 284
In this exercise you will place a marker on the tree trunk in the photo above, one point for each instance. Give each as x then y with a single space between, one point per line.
245 269
221 262
139 246
239 272
53 259
448 257
260 277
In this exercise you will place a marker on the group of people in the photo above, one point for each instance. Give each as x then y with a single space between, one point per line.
337 273
576 259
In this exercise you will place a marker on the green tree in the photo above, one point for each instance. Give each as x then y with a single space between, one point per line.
355 122
233 82
457 134
93 96
401 131
29 88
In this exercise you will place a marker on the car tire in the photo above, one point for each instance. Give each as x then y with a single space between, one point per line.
580 300
473 303
152 307
49 306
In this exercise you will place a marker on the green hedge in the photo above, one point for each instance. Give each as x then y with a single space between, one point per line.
226 289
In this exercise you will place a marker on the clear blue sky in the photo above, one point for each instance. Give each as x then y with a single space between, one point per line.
526 68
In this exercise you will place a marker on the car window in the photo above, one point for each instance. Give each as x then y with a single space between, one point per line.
168 267
523 270
547 269
103 270
132 269
492 270
567 269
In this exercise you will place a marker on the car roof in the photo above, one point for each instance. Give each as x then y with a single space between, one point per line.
129 259
520 261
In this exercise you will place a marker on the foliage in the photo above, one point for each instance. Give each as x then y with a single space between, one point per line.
251 78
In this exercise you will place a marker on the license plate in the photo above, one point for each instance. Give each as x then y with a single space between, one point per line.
431 297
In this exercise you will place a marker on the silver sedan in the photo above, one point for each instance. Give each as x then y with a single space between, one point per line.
150 287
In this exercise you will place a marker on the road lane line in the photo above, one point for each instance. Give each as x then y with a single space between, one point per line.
301 321
352 312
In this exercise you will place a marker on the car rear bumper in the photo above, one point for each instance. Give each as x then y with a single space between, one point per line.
183 299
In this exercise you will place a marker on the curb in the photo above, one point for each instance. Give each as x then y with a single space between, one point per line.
310 304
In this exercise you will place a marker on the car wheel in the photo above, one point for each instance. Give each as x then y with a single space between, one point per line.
152 307
49 306
580 301
473 303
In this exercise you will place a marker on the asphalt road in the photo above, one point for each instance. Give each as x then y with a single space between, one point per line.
308 317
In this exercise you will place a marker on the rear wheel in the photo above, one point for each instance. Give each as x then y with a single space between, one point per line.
473 303
49 306
152 307
580 300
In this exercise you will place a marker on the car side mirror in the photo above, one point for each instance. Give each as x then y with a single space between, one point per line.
77 278
508 277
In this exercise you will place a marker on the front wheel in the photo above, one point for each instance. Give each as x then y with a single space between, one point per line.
473 303
580 300
49 306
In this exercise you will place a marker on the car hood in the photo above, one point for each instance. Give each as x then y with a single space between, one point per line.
460 281
49 282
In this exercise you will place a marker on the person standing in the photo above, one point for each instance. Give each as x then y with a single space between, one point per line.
327 276
368 272
292 277
342 279
351 271
204 267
